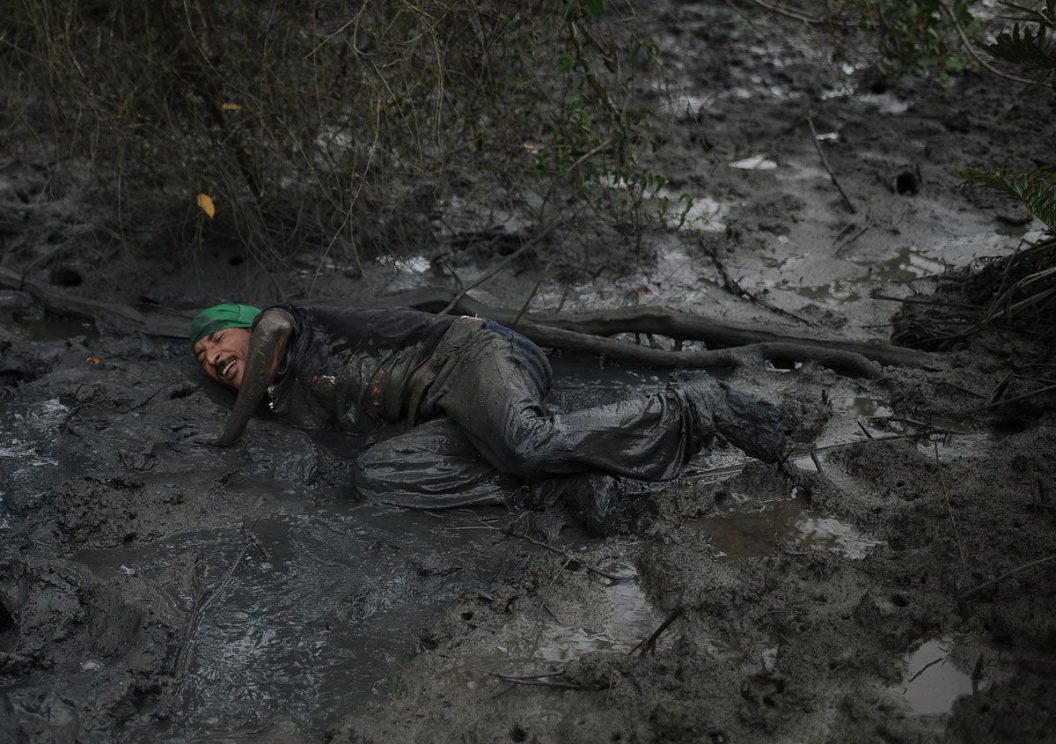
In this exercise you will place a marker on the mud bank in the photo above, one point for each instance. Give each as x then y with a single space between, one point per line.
152 588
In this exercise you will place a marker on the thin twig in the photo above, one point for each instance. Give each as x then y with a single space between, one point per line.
998 403
1006 574
648 644
563 553
734 287
793 14
502 265
949 512
531 295
540 683
198 611
934 303
840 248
825 163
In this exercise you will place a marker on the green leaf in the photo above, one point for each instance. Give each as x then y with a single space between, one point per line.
595 7
1034 188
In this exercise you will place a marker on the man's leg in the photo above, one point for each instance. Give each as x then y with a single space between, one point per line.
494 392
433 466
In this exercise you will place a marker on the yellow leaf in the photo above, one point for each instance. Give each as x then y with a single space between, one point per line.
205 203
94 360
230 106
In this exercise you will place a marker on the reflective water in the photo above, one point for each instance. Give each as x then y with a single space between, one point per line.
780 525
303 614
624 618
932 682
51 327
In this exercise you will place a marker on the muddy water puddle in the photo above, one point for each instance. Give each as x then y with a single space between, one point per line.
299 615
933 680
787 524
615 617
624 618
51 327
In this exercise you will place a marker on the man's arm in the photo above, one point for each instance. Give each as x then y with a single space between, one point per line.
266 345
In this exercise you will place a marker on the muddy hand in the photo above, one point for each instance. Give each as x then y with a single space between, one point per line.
266 345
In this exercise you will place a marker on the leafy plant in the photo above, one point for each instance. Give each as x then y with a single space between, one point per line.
1032 48
1034 188
917 34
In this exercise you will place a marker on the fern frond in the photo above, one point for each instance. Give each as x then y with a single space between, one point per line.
1036 189
1030 48
1046 17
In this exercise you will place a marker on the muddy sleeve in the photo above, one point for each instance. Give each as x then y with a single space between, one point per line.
266 345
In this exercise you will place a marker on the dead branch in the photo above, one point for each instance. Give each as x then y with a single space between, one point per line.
575 332
734 287
949 512
824 161
104 313
1006 574
540 682
502 265
649 644
563 553
999 403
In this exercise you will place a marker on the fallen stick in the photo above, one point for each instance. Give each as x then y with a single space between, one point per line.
546 331
648 644
734 287
825 163
1006 574
949 512
502 265
104 313
556 684
563 553
1002 402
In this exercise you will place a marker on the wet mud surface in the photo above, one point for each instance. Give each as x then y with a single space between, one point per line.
154 588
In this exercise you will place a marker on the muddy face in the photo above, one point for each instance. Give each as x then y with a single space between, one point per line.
222 355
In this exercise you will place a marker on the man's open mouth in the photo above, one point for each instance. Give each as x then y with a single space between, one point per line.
228 369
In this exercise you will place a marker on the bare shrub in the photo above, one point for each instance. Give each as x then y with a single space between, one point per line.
344 127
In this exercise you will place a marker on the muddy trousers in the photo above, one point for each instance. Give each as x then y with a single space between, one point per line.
492 431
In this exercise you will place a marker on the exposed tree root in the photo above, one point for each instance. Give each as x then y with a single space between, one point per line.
590 332
587 332
104 313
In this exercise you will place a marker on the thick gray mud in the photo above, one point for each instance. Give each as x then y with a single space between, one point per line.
155 589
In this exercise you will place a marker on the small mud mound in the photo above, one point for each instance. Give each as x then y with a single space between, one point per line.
108 643
95 513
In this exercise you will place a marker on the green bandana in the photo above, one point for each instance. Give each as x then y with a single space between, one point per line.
219 317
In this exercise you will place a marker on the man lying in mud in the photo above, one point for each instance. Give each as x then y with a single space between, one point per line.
470 395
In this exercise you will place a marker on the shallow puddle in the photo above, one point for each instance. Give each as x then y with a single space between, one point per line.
309 614
779 525
49 327
931 682
623 618
863 405
909 263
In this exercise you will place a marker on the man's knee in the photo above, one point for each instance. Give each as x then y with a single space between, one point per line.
524 457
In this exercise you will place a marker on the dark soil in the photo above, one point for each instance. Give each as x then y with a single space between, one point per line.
153 588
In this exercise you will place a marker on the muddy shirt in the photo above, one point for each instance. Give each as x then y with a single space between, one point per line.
353 368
